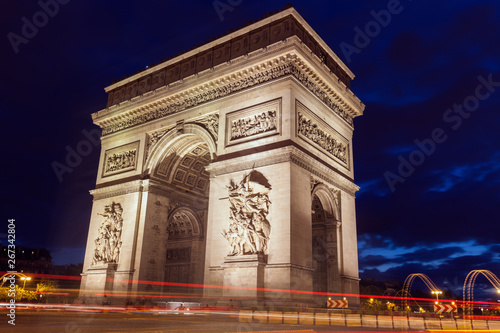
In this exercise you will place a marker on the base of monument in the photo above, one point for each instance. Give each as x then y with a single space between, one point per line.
100 278
244 277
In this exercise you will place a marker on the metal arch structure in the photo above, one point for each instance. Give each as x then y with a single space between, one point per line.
409 281
6 277
470 280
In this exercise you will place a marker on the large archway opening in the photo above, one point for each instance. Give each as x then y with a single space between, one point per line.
180 167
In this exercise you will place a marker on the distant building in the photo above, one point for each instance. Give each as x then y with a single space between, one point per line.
27 259
37 263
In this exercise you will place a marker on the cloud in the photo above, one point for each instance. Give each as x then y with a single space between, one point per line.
476 173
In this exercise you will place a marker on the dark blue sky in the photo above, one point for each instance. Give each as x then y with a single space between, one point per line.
415 68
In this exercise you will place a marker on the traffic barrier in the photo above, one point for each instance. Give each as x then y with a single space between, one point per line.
400 322
353 320
337 319
322 319
464 324
370 321
275 317
290 317
480 325
494 324
432 323
448 324
245 316
306 318
417 323
260 316
384 321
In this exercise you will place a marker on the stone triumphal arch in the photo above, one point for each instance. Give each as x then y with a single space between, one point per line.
229 167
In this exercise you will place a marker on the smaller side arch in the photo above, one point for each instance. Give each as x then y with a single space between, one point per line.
184 222
329 200
185 250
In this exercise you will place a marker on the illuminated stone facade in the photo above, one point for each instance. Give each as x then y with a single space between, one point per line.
232 166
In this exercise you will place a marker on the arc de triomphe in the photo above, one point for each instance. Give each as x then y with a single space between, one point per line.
229 165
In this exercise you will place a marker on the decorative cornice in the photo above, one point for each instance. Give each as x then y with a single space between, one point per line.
323 172
283 65
256 161
146 185
195 97
292 266
116 190
349 277
155 187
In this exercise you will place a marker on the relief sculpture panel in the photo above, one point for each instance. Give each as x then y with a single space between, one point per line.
249 228
108 241
254 122
121 159
321 135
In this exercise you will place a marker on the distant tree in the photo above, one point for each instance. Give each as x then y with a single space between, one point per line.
25 295
372 304
46 286
4 293
21 294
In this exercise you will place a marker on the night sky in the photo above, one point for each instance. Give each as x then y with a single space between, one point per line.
425 151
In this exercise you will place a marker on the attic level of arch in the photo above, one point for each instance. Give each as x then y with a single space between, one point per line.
240 45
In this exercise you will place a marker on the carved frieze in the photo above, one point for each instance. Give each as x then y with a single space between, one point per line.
249 228
291 66
254 122
108 241
321 135
121 159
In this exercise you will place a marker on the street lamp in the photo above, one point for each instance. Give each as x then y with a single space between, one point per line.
25 278
437 293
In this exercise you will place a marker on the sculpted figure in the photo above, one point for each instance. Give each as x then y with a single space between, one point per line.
249 228
109 234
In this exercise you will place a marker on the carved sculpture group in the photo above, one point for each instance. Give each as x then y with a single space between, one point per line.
121 160
179 226
108 241
311 131
249 228
254 124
